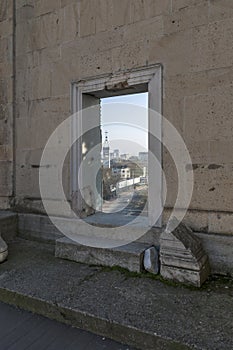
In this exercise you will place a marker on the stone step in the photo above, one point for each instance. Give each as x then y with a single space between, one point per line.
8 225
36 227
128 256
40 228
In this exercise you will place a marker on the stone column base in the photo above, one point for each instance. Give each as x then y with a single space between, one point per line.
182 256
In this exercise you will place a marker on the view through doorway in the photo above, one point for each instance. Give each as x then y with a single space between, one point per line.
124 155
116 163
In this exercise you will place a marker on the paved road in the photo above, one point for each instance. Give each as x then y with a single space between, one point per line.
119 203
21 330
131 201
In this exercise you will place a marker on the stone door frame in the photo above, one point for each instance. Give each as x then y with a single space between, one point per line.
147 79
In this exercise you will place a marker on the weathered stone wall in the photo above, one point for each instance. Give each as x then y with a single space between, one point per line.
6 103
59 41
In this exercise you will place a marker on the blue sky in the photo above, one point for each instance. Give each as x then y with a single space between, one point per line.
122 110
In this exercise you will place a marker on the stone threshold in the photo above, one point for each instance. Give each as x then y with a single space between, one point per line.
128 256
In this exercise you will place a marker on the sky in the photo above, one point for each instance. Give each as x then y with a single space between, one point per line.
126 120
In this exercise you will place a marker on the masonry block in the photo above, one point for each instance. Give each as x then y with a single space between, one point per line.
6 178
220 9
186 17
43 7
144 30
182 256
40 83
71 21
87 18
221 223
174 51
3 9
120 12
129 257
180 4
103 15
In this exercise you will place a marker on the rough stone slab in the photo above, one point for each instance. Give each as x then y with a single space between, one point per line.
186 276
129 256
182 256
142 312
151 261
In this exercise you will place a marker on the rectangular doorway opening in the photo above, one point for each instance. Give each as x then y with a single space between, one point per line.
118 121
125 154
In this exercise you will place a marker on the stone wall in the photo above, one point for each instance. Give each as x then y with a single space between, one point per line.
59 41
6 103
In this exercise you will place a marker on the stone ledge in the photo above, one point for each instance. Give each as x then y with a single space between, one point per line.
37 228
129 256
218 247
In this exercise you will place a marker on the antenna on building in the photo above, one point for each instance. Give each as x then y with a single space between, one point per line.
106 136
106 152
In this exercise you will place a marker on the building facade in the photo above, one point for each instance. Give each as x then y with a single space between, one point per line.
46 45
122 171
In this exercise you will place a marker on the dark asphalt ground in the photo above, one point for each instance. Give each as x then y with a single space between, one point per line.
20 330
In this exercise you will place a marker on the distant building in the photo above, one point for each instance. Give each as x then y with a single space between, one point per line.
122 171
125 156
143 156
106 152
116 153
134 158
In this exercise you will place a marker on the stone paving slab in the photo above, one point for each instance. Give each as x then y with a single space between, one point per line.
136 310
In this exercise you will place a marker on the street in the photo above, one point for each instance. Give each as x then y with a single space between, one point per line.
128 202
21 330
